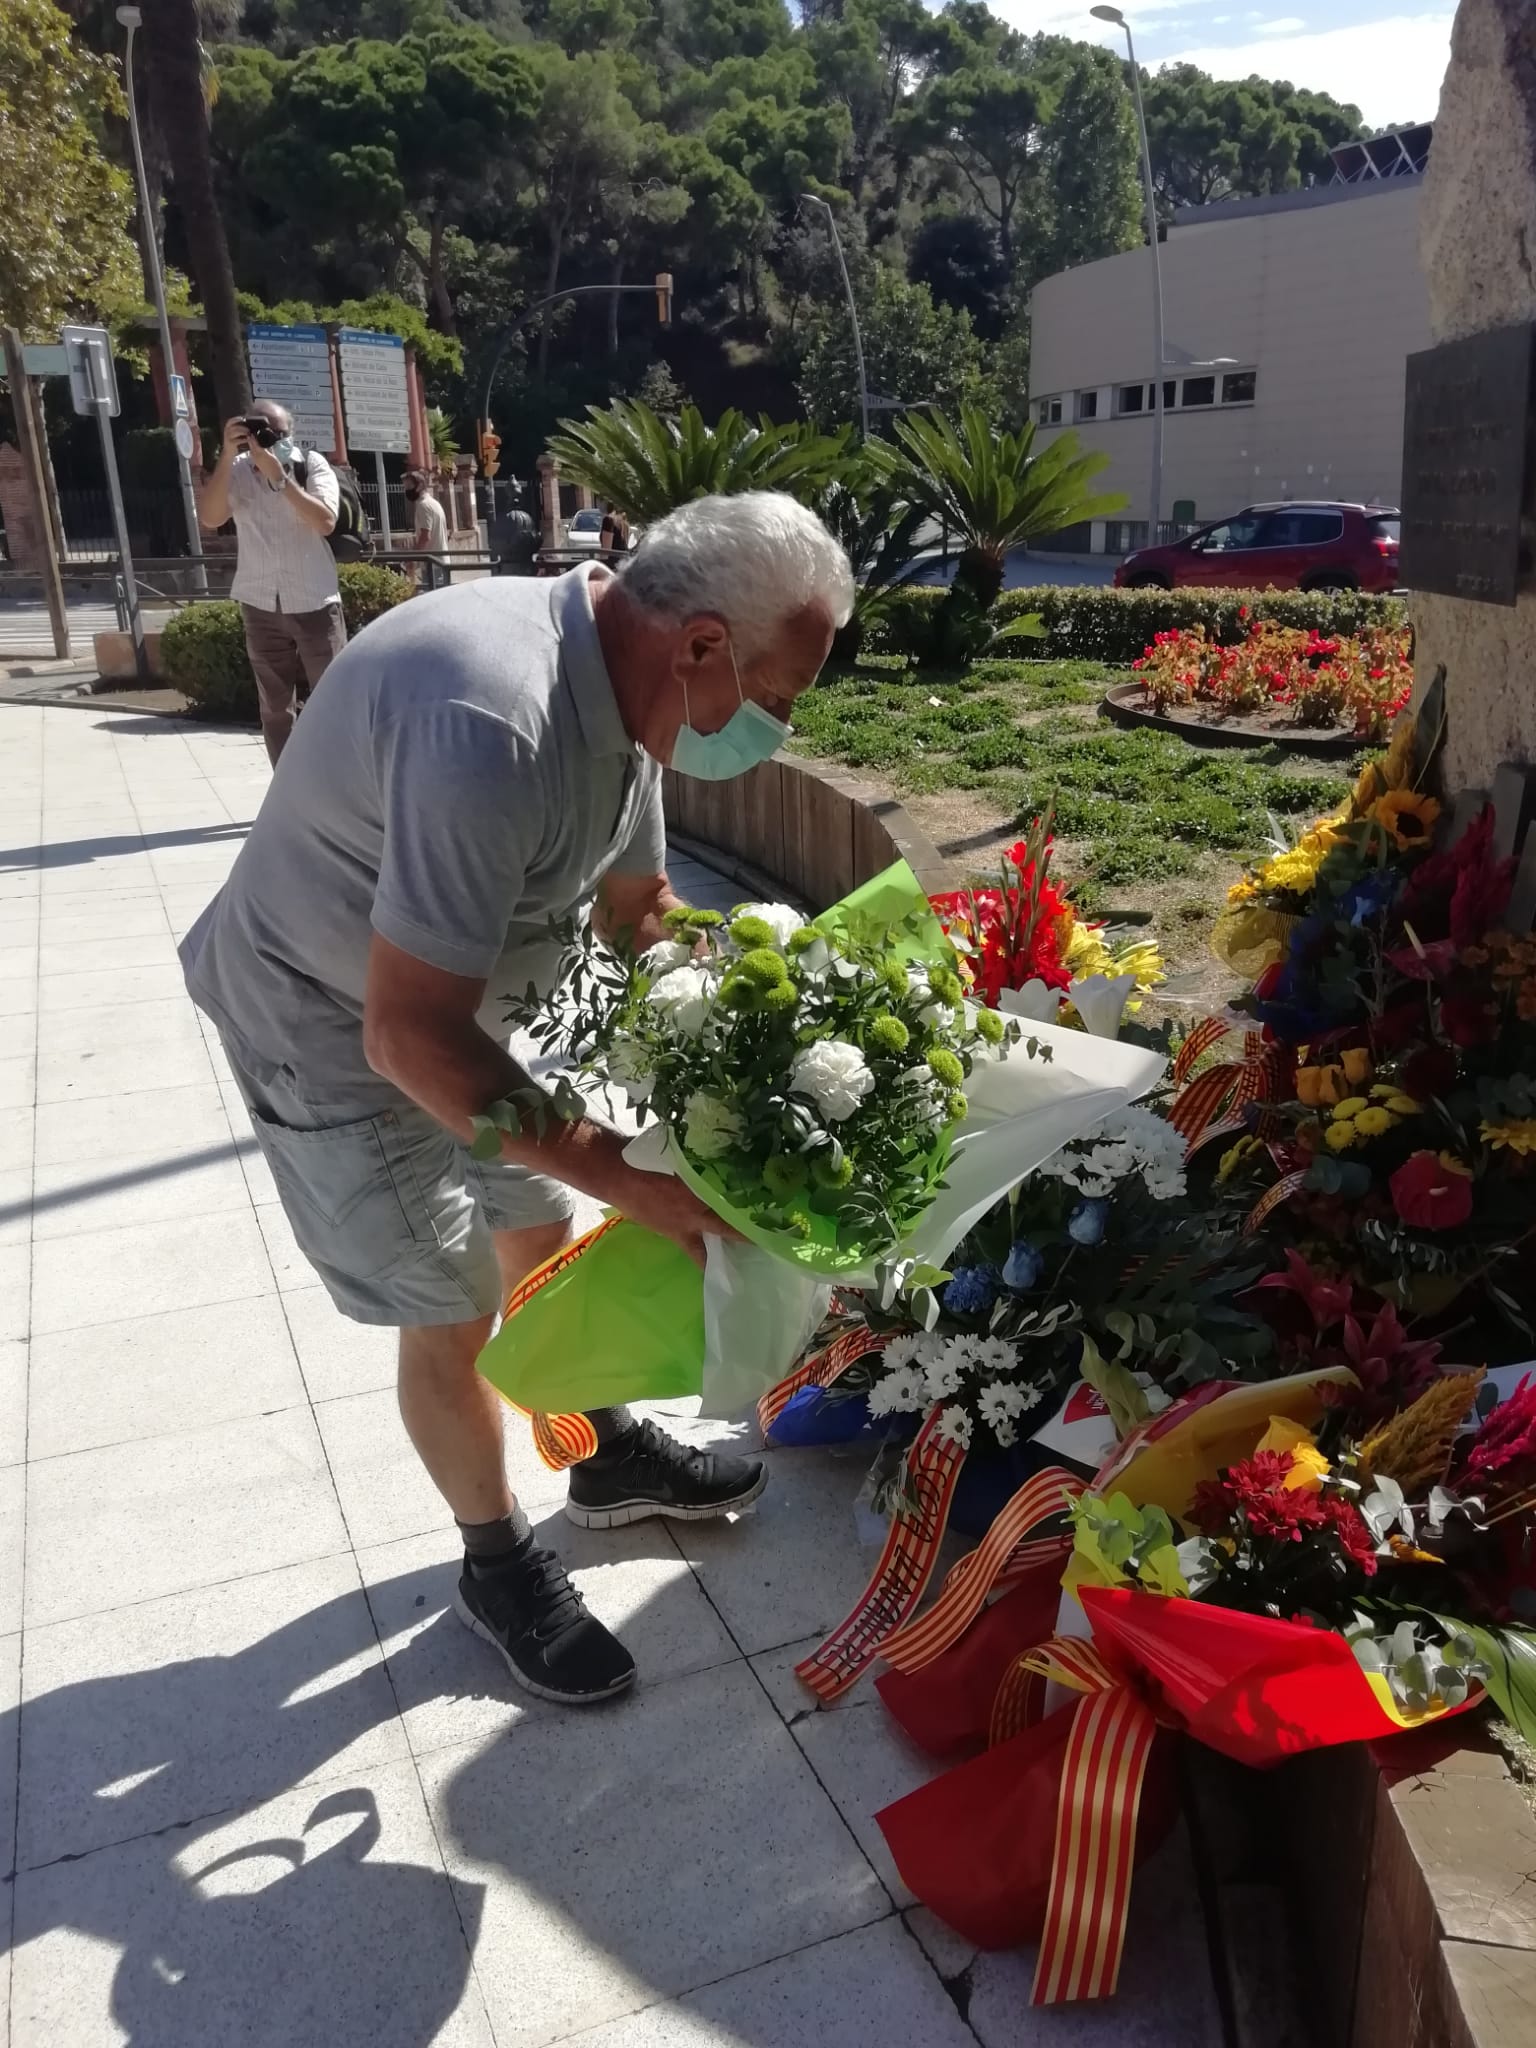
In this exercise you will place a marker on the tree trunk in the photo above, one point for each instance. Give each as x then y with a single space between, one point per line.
615 277
174 58
552 280
438 295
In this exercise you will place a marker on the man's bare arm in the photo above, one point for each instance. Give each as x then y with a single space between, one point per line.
419 1031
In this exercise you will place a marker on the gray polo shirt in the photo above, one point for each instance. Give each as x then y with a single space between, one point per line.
460 776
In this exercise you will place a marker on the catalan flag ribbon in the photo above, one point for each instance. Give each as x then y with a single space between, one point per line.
820 1369
1222 1093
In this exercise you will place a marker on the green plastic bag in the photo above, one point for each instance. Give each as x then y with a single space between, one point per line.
617 1316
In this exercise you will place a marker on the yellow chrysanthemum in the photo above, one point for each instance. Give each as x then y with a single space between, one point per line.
1408 817
1243 891
1233 1158
1350 1107
1511 1134
1340 1137
1295 871
1402 1105
1374 1123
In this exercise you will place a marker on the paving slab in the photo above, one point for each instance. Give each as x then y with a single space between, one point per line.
641 1850
13 1402
318 1919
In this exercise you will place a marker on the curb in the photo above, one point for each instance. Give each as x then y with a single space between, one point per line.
1119 704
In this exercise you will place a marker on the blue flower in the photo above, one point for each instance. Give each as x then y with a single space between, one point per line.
1022 1267
1085 1225
971 1291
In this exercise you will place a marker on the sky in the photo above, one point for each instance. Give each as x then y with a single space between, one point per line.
1386 56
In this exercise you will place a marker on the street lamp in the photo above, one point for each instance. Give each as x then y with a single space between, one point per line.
810 199
130 17
1113 15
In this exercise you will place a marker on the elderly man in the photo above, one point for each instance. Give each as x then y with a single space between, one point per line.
494 759
285 574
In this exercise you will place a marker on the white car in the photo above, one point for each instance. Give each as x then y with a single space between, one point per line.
584 532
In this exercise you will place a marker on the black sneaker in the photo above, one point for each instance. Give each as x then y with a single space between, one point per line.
527 1607
645 1473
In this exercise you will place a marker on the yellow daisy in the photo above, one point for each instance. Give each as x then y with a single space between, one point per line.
1511 1134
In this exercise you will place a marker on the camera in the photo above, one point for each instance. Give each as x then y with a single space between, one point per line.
261 431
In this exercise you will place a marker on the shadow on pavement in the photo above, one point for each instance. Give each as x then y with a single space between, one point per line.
69 853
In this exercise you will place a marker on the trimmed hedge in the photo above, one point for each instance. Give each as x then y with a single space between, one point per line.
203 645
1099 623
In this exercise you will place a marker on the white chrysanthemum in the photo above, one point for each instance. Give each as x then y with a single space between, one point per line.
915 1347
779 917
686 995
664 956
834 1074
898 1393
956 1427
992 1355
942 1374
630 1068
710 1126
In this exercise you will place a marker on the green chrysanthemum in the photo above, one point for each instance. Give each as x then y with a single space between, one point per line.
751 931
783 1175
989 1026
762 967
894 975
826 1175
806 936
889 1034
957 1107
945 985
945 1067
779 1001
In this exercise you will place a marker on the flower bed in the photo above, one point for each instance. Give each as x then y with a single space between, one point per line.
1281 677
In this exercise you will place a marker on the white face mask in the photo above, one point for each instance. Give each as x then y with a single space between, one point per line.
749 736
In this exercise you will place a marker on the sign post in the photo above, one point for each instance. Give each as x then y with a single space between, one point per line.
93 387
376 401
292 365
33 456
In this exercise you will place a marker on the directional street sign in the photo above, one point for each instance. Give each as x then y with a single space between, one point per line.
293 366
92 379
373 391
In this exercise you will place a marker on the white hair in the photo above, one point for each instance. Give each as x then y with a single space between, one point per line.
755 559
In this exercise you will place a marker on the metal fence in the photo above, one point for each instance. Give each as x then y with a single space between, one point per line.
156 524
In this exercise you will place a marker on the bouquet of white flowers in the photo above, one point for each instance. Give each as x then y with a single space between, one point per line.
827 1088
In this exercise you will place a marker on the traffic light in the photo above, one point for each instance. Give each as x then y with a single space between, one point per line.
490 442
664 297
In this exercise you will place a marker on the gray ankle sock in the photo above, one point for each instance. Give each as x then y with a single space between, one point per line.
485 1542
610 1424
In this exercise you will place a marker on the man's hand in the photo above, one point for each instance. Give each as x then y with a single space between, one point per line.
663 1203
264 462
237 441
630 908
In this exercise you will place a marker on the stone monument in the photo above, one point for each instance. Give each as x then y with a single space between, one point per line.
1477 247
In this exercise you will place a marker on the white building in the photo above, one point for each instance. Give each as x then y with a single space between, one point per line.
1295 313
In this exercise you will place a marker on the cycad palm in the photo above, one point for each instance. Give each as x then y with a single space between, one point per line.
993 489
645 466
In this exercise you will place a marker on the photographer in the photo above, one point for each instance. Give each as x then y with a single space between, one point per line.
285 577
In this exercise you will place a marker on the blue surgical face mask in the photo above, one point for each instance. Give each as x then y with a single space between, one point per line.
749 736
284 450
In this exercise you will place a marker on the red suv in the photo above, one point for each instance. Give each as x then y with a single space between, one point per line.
1309 546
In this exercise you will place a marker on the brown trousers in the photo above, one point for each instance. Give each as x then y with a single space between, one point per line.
290 652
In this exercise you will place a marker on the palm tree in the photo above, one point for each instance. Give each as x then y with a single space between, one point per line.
992 489
174 59
645 466
878 529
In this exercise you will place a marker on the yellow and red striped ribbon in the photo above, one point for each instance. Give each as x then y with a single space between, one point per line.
560 1440
1225 1090
1040 1499
1196 1045
1102 1776
819 1370
1271 1199
900 1578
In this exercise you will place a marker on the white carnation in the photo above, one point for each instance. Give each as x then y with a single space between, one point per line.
779 917
686 995
834 1074
898 1393
664 956
956 1427
710 1126
630 1067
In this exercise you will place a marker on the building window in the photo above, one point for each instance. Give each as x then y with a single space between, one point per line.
1170 395
1238 387
1050 412
1131 398
1087 405
1199 390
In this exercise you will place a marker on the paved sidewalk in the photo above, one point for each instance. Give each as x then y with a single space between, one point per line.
262 1788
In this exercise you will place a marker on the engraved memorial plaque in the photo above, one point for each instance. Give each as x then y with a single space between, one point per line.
1466 439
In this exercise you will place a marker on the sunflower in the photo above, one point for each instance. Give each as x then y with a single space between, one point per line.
1407 817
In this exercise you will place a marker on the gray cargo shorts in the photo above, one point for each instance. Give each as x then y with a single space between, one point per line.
389 1209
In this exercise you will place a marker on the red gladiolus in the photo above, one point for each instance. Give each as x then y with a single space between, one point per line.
1428 1195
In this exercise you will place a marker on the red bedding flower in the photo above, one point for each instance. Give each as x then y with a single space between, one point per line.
1430 1195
